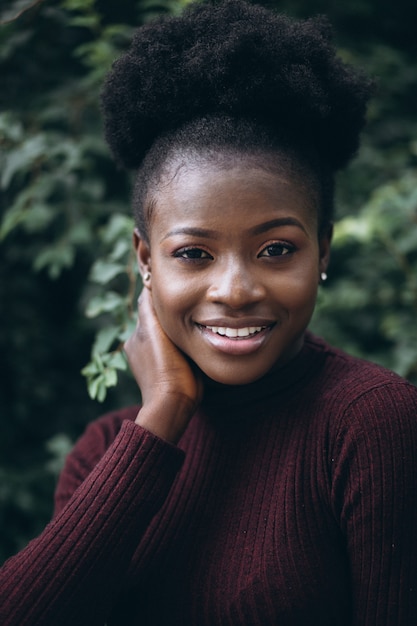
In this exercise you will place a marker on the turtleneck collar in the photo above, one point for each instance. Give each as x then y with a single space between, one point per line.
279 381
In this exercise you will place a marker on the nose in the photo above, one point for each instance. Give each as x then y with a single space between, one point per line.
236 286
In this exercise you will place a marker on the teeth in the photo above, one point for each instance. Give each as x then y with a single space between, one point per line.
236 332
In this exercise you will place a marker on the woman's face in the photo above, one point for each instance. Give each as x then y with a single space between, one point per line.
235 262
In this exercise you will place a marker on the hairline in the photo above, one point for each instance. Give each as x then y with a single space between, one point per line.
277 161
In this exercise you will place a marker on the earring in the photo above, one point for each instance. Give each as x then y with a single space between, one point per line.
323 276
146 277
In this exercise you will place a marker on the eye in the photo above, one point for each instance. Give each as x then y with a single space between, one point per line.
192 254
277 249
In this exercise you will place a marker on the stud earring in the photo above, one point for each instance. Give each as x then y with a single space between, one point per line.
146 277
323 276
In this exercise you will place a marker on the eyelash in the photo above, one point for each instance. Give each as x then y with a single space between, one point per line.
182 254
278 244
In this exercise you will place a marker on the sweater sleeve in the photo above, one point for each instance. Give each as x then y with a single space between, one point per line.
374 494
73 572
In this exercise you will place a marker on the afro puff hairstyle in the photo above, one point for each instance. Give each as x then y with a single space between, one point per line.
236 60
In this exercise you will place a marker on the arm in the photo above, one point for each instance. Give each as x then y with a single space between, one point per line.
374 491
73 573
171 387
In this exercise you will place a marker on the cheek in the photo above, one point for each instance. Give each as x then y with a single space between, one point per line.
301 290
172 299
166 298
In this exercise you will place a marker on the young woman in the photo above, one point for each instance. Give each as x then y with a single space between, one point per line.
267 478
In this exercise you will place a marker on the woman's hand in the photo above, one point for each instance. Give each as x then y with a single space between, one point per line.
171 390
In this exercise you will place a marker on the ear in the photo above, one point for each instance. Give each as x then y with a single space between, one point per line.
143 256
325 241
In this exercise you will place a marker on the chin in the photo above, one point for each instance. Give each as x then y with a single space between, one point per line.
233 377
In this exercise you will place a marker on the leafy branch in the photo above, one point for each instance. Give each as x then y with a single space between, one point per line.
15 16
116 279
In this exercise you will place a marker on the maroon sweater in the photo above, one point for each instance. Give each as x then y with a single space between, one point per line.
291 501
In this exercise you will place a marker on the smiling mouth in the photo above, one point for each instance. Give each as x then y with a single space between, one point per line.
236 333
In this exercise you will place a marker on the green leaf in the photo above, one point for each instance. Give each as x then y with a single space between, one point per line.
58 447
119 227
22 158
94 384
55 258
128 330
12 218
90 370
11 128
78 5
110 377
85 21
121 249
104 271
37 217
109 302
104 339
118 361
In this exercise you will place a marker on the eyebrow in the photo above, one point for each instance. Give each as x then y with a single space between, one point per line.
256 230
194 232
275 223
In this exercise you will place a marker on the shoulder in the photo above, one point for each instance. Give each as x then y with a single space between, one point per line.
368 409
349 379
358 395
88 450
100 434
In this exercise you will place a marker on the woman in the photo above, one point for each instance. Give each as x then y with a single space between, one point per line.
267 478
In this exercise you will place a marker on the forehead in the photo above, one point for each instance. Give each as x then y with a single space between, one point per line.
201 191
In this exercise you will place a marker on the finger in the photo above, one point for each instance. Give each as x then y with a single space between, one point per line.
142 297
145 300
144 308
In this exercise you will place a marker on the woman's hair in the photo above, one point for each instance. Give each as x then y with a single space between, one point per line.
233 78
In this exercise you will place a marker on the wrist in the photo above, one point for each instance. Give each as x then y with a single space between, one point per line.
168 419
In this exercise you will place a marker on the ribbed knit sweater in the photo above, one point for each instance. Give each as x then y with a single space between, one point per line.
290 501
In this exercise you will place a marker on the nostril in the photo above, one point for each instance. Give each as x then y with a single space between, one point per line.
236 291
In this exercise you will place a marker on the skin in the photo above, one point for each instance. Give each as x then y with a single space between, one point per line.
235 249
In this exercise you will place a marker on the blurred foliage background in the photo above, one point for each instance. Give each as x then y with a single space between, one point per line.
67 279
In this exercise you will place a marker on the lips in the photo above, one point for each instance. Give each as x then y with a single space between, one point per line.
241 339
